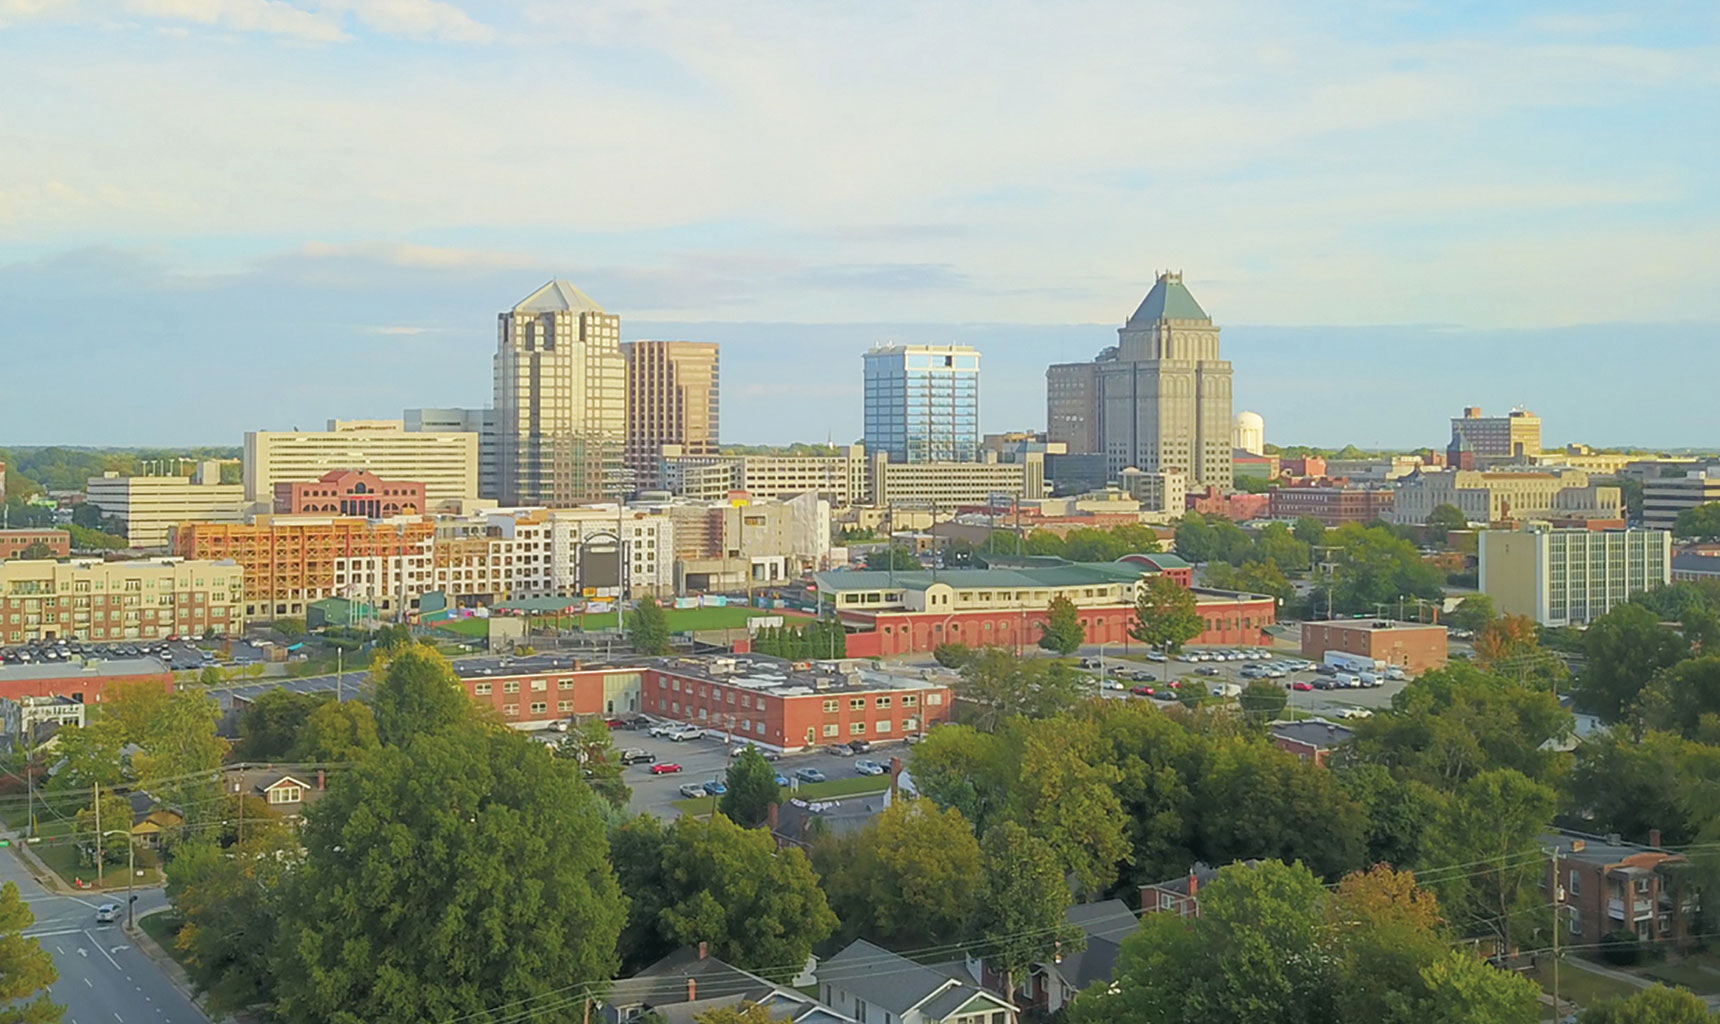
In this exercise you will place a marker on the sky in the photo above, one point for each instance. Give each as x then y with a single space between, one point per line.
221 215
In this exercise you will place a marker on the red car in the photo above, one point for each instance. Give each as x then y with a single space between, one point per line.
1301 685
665 768
615 723
1141 691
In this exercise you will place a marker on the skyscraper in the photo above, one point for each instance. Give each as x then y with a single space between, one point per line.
922 402
1159 400
671 399
560 400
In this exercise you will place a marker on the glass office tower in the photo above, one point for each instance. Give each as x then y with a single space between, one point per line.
922 402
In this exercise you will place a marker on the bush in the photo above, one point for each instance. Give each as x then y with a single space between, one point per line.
1621 947
952 655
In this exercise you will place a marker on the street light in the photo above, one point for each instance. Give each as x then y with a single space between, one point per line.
130 874
1102 647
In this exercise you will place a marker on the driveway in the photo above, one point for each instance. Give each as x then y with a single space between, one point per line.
104 977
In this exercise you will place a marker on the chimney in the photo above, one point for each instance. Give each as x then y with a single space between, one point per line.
1193 883
704 952
895 773
692 989
770 816
1144 890
322 779
1654 837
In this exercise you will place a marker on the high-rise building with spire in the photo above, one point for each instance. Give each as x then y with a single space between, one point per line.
1158 400
560 400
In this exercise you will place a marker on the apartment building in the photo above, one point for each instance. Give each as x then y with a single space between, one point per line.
1570 577
1331 505
290 561
1607 885
445 462
351 492
1498 495
672 399
14 543
151 506
1664 497
144 599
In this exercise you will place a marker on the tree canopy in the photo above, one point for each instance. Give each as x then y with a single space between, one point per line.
1062 631
910 878
752 788
26 969
1165 614
1699 523
648 627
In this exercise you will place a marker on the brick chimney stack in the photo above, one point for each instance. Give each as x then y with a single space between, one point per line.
692 990
770 812
704 950
1654 837
1193 882
322 779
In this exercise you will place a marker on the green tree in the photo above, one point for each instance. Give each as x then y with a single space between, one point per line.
912 876
1699 523
760 908
334 731
752 788
1265 578
1062 632
1684 697
1622 651
592 746
1445 518
1195 540
893 558
416 691
269 729
182 752
1375 567
1398 812
1064 793
91 754
1309 531
94 540
292 629
1629 785
1473 613
960 767
36 550
1166 616
648 627
1255 800
1655 1005
1263 700
998 684
1493 824
230 903
212 675
1278 544
135 708
952 655
1019 918
115 814
26 969
449 876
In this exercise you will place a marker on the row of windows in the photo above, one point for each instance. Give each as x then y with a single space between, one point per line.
539 708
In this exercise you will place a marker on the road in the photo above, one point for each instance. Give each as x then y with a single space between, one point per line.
104 977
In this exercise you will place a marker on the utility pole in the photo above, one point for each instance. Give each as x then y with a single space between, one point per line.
1558 903
98 806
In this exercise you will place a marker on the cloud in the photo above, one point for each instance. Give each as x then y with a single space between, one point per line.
272 17
317 21
417 19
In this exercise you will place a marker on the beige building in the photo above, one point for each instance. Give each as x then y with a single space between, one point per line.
672 399
143 599
150 506
1493 496
1516 435
1249 433
953 483
1664 497
560 400
1161 399
445 462
1161 494
583 550
1566 577
730 545
839 478
455 421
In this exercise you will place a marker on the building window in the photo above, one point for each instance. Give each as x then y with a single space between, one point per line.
884 726
511 709
830 730
481 689
829 705
286 795
540 684
882 702
910 700
513 687
857 703
564 706
857 728
564 684
539 707
934 699
1576 887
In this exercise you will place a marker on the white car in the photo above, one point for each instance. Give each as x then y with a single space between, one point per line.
1354 713
685 732
864 767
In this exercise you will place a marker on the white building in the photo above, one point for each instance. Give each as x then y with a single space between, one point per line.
445 462
1248 434
1565 577
151 506
1664 497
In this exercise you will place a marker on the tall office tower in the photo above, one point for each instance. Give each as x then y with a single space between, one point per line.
1071 412
671 399
560 400
922 402
1499 437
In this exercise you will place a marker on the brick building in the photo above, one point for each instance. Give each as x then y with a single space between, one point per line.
13 543
1411 646
1165 564
141 599
1238 507
530 692
1312 740
351 492
1611 885
85 683
1332 505
1302 465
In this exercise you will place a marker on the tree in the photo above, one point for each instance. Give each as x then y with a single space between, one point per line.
1655 1005
1511 646
1064 793
115 814
182 752
1375 567
1263 700
337 731
230 902
1622 651
648 627
1309 531
1278 544
760 908
1020 916
1166 616
1398 812
912 876
26 969
292 629
212 675
135 707
88 515
1254 800
269 729
746 1013
592 746
1473 613
1699 523
1265 578
36 550
960 767
416 691
1684 697
1195 540
752 788
93 753
1493 824
998 684
893 558
1062 632
1630 785
952 655
1446 518
448 876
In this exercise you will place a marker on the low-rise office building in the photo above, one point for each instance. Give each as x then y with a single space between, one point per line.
446 462
532 692
151 506
144 599
1412 646
1664 497
350 492
1331 505
1506 494
17 543
1566 577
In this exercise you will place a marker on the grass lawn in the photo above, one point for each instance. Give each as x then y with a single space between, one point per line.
1686 974
1579 986
680 620
856 786
164 929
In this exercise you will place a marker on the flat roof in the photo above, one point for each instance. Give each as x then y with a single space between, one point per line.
536 664
1315 733
764 674
1068 574
1604 850
48 670
1374 625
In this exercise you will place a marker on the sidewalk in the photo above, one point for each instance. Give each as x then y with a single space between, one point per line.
51 881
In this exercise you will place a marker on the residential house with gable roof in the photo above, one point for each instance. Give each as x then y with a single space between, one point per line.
875 986
690 982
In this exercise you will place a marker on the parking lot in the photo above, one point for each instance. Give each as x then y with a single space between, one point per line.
704 759
1306 702
180 654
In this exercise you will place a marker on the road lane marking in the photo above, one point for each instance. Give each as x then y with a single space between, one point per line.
87 982
104 952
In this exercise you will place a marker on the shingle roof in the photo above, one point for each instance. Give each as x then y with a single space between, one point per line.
557 296
882 978
1169 299
1690 562
1315 734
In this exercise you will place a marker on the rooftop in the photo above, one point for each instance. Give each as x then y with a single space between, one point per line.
1690 562
1168 300
52 670
1316 733
1603 850
764 674
1063 574
1373 625
557 296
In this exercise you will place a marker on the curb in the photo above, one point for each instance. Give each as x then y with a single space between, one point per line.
164 962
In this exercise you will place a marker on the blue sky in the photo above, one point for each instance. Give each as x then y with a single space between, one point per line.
219 215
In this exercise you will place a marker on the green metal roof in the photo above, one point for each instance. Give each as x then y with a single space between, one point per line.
1066 574
1169 300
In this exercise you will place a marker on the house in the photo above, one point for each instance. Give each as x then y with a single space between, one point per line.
690 982
796 822
286 793
1611 886
872 985
1179 895
1050 986
151 819
1313 740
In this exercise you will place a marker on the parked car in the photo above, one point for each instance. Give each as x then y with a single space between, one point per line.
1395 673
662 729
692 790
666 768
615 723
809 775
1326 670
1141 691
1155 656
686 732
1091 663
839 749
107 913
1354 713
865 767
716 787
1207 670
859 746
634 755
1302 684
781 779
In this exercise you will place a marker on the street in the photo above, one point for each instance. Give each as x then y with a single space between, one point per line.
104 977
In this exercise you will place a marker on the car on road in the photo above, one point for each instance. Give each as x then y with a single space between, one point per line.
809 775
107 913
692 790
634 755
717 787
665 768
865 767
1302 685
